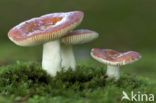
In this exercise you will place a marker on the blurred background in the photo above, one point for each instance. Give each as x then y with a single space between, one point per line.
123 25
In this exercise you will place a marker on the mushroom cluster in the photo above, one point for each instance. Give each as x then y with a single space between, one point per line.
55 32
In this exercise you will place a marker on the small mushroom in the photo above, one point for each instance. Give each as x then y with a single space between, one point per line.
114 60
46 30
75 37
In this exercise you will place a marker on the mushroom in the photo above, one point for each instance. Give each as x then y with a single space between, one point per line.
46 30
74 37
114 60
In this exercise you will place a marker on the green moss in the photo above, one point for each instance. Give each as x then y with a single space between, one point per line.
86 85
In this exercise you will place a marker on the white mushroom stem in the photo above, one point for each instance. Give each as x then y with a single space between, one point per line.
51 60
68 58
113 71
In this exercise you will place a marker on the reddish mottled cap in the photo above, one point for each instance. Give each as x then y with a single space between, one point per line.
79 37
45 28
112 57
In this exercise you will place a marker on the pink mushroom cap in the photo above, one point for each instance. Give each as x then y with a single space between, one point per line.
79 37
112 57
45 28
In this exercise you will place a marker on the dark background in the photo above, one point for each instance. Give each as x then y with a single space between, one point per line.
122 24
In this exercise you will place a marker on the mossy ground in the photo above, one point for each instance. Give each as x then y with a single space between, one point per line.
27 82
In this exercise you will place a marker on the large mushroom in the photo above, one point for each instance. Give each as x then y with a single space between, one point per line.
46 30
73 38
114 60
